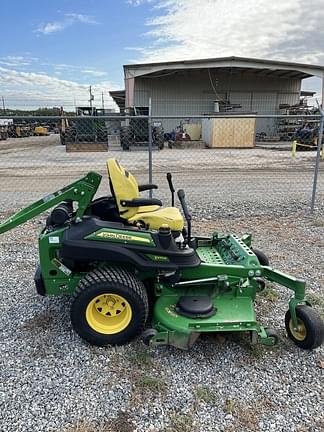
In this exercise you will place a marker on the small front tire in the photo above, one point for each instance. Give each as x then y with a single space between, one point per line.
262 257
147 335
273 335
309 333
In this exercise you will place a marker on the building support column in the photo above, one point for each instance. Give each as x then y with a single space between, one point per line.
322 104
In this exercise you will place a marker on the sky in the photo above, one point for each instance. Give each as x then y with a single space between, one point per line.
51 51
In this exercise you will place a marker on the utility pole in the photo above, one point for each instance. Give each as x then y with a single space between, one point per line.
91 98
3 105
102 101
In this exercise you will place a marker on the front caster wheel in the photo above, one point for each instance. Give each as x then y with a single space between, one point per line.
309 333
262 257
273 335
147 335
261 284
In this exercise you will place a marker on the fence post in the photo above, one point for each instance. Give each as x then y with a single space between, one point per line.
318 158
150 146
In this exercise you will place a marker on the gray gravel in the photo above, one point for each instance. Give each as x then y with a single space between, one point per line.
52 381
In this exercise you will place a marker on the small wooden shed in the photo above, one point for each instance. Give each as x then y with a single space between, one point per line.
229 132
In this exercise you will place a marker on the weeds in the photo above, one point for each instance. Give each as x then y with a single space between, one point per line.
271 294
153 384
203 393
182 423
141 358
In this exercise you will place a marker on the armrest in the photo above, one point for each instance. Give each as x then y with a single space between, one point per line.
145 187
139 202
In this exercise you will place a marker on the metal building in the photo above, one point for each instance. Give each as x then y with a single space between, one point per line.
201 87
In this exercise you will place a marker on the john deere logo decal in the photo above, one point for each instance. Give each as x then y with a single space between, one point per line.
123 237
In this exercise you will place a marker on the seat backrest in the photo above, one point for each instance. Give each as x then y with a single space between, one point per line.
123 186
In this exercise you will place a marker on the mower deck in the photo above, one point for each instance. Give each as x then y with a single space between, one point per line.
232 296
231 314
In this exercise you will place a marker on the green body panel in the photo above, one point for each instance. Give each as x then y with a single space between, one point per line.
122 236
57 278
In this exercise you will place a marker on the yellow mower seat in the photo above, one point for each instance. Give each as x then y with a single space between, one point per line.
124 188
167 215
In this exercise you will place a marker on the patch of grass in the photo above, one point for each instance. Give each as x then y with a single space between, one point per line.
81 426
229 406
245 417
269 293
203 393
182 423
122 423
141 358
317 301
319 223
152 384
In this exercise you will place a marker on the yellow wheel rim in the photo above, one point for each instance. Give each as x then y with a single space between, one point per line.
300 332
108 313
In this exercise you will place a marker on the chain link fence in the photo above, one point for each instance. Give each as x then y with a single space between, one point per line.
228 163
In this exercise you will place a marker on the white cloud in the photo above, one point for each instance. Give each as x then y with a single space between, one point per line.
188 29
17 61
139 2
40 89
67 20
94 72
86 19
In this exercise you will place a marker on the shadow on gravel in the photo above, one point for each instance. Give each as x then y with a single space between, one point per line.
37 322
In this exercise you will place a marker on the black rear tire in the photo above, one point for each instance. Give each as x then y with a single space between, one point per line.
311 334
113 283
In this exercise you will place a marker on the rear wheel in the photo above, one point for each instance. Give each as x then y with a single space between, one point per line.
309 333
109 307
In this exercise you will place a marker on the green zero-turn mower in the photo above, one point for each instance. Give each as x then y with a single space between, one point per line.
132 268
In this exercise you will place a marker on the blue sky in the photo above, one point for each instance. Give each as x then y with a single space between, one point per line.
97 41
52 50
83 42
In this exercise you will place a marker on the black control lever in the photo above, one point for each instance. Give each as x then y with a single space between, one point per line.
187 215
172 190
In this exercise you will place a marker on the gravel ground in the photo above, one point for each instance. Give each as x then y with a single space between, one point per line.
52 381
218 182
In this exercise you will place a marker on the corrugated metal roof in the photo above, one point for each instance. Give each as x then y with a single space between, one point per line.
119 98
268 67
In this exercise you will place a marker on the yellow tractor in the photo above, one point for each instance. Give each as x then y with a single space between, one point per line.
41 131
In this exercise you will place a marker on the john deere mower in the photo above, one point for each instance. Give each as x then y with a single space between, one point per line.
132 268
